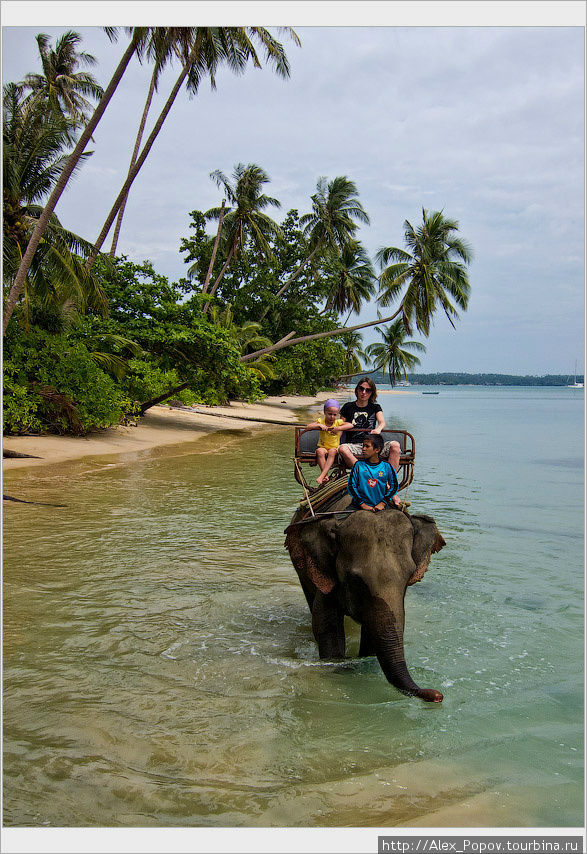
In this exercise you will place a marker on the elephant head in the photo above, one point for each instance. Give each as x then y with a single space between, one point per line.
361 564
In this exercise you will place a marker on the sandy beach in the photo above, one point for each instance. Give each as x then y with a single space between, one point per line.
161 425
165 425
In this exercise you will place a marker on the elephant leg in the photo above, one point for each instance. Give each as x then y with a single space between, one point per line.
366 647
328 626
309 593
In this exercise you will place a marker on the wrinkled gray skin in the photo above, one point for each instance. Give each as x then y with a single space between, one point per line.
361 565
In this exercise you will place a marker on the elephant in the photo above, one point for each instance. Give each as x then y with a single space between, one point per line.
361 563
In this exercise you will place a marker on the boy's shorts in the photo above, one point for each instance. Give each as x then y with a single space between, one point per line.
356 449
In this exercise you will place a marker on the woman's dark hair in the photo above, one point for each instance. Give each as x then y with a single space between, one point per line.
377 441
371 384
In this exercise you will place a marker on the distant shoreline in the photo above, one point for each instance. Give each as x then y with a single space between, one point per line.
459 378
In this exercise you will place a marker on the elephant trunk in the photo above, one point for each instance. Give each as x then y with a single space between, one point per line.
386 631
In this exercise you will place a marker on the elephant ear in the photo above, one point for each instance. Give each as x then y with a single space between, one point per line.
427 541
312 550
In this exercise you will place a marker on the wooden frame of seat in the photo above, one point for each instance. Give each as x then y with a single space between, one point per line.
306 442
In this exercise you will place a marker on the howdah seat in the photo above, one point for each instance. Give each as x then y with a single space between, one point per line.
306 442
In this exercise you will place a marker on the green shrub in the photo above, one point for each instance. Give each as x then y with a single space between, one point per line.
54 385
145 381
20 404
307 368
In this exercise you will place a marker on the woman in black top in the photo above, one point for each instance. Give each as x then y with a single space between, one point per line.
365 412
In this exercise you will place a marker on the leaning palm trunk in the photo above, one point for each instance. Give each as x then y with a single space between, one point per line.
134 171
215 248
356 373
294 275
133 160
170 392
41 226
288 341
220 275
165 396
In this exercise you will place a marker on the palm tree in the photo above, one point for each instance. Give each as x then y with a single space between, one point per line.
246 336
245 220
136 44
332 222
167 44
34 142
434 240
392 353
353 352
354 280
434 270
61 85
201 50
237 47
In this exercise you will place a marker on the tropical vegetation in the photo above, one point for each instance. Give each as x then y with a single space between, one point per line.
92 339
433 270
393 354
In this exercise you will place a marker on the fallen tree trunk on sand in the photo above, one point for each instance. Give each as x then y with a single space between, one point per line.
240 417
39 503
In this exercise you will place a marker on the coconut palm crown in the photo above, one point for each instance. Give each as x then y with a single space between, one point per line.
335 207
245 221
354 279
353 352
393 351
332 222
61 85
434 269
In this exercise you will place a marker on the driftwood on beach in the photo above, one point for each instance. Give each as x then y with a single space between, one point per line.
40 503
240 417
7 454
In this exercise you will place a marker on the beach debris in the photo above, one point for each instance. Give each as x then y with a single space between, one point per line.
40 503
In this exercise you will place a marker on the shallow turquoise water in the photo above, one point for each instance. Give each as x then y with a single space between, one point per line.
159 666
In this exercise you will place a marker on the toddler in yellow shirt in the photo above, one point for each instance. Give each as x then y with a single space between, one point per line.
330 426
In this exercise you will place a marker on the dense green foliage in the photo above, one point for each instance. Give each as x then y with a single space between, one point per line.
52 382
306 368
249 286
80 358
167 323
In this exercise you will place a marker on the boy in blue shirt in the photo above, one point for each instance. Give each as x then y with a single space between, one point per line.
372 483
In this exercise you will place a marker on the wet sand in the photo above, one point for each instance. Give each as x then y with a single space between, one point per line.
165 425
161 425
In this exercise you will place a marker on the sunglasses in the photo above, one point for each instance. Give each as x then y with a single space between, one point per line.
365 388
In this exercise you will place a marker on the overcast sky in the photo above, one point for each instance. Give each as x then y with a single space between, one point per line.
483 122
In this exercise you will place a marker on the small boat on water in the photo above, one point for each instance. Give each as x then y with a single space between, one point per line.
430 392
575 384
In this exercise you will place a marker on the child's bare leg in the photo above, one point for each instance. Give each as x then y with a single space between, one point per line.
321 460
393 460
329 460
394 455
